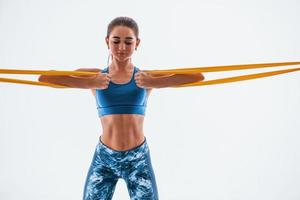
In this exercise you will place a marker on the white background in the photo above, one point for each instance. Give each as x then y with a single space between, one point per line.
221 142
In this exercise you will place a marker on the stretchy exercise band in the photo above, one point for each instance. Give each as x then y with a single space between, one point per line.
168 71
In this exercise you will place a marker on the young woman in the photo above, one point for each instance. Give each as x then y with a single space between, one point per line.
121 91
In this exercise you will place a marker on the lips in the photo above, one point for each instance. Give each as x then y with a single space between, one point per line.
121 54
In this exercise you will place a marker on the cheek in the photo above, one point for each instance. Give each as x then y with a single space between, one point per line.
130 47
131 50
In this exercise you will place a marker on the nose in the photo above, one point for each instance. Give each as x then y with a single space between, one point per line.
122 46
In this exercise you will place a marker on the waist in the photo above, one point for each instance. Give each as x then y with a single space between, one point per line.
121 142
112 155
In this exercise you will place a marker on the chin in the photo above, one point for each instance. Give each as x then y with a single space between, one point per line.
122 59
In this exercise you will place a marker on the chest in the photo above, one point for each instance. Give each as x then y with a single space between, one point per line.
118 78
125 94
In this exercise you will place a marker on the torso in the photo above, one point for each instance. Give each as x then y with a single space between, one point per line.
122 131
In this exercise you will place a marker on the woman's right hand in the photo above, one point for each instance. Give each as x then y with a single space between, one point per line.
101 81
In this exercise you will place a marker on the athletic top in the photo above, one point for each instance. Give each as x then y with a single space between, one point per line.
125 98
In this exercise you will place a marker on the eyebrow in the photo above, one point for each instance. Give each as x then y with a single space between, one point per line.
130 38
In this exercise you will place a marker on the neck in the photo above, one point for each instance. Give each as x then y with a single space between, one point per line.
121 65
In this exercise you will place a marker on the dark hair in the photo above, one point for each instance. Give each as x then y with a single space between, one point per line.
123 21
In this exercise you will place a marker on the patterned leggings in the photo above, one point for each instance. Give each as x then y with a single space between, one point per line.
133 165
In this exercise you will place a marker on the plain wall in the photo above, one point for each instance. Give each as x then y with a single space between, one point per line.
221 142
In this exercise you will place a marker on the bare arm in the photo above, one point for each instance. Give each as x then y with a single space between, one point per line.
176 79
69 81
84 82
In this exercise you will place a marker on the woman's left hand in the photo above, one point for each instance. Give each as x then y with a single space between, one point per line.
144 80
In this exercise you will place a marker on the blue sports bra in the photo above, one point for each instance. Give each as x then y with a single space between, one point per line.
125 98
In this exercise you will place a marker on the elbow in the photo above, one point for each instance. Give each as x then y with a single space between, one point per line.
42 78
199 77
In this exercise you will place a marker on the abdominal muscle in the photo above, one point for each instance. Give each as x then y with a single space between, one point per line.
122 132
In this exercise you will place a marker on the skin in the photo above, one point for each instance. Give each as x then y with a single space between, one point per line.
122 131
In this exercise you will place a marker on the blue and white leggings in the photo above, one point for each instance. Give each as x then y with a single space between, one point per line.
133 165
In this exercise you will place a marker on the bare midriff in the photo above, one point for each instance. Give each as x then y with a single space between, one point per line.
122 132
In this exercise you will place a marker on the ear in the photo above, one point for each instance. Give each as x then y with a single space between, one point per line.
137 42
106 40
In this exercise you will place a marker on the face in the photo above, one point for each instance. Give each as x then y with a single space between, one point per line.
122 42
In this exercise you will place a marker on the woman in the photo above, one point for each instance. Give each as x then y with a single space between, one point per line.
121 91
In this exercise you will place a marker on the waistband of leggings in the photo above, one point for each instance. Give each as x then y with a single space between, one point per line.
140 148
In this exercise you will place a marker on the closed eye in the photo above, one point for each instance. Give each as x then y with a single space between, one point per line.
117 42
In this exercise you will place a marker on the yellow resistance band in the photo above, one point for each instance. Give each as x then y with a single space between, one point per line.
168 71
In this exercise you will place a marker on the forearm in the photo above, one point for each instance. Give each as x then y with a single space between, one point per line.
176 79
66 81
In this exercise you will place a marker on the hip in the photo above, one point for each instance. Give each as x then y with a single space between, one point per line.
122 141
